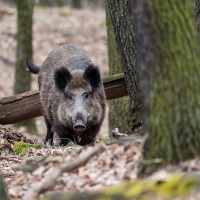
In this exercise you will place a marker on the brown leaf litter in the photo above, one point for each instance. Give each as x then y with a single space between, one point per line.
106 169
9 136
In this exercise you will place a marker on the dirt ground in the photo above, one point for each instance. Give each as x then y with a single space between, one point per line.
53 27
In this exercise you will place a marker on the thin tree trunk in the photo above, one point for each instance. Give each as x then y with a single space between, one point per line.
76 4
119 116
24 49
24 45
168 56
119 12
3 193
197 4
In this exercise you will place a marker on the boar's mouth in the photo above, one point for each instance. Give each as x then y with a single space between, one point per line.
79 126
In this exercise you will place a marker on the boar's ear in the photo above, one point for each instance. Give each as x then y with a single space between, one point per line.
62 77
92 75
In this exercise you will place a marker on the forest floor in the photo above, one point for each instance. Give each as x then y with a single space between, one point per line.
115 164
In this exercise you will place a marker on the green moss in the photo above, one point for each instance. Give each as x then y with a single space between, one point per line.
113 78
3 128
176 186
7 99
21 147
103 140
174 99
115 189
137 116
138 189
71 143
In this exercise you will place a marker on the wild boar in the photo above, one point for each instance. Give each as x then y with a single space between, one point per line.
72 95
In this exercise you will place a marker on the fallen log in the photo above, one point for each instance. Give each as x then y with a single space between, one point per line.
27 105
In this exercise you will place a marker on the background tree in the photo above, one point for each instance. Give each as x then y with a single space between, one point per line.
24 49
3 193
168 59
76 4
197 4
119 116
119 12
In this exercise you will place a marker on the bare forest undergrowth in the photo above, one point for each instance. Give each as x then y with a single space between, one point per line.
34 173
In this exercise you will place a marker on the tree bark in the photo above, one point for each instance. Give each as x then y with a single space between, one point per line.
197 4
24 45
168 56
24 49
119 116
119 12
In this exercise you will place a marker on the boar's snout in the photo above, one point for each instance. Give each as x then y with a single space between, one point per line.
79 126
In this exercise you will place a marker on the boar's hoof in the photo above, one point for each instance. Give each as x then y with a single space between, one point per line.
79 126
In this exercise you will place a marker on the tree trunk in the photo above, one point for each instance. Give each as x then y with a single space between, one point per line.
119 116
54 3
197 4
119 12
3 193
24 49
168 56
76 4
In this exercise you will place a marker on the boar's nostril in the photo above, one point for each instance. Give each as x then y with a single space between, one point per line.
79 127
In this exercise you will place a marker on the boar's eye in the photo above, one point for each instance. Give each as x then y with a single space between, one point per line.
86 95
69 97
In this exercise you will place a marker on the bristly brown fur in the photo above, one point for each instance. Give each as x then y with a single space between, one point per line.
57 87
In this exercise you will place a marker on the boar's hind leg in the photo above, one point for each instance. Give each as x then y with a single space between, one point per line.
49 136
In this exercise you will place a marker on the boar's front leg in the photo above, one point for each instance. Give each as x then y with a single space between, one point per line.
61 132
49 136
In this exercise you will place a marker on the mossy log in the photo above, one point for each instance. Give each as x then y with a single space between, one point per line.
176 186
27 105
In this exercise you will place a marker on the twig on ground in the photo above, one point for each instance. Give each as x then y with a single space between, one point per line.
66 167
116 134
126 141
11 158
30 164
153 161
